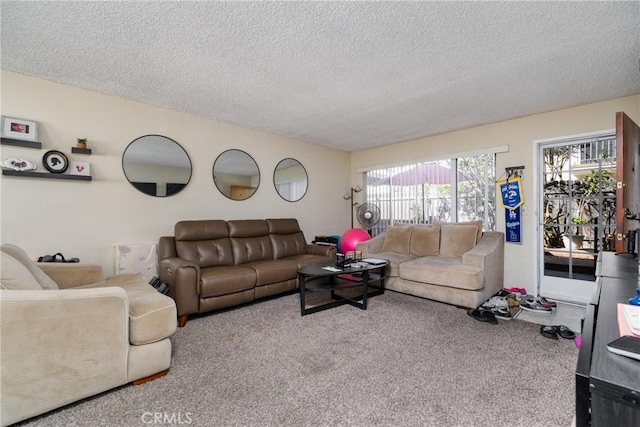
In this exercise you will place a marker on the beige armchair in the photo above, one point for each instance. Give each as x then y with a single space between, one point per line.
67 334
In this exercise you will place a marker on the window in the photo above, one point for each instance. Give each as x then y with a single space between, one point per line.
596 150
457 189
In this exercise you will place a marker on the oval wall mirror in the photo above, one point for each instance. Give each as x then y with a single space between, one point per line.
236 174
290 179
156 165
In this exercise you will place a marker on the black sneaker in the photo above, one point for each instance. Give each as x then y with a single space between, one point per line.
502 313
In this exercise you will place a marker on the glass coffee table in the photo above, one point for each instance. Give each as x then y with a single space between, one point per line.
327 277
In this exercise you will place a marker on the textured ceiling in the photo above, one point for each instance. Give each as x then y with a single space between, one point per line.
349 75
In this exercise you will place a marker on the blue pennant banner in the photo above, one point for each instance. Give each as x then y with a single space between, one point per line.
511 193
512 225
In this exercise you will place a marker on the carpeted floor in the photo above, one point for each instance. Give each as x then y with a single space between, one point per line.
405 361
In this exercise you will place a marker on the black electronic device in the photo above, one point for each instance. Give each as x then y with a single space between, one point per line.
627 345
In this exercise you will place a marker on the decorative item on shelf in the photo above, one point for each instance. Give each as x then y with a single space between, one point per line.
54 161
81 143
19 129
18 165
80 168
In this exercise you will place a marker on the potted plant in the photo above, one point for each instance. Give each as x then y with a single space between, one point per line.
575 240
81 143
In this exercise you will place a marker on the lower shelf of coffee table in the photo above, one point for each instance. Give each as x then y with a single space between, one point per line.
337 283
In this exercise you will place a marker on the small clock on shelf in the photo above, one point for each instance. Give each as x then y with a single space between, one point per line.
55 161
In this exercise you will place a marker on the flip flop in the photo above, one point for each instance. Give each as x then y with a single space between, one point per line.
476 314
565 332
549 332
491 318
483 316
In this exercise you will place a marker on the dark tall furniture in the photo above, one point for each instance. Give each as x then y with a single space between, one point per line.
607 384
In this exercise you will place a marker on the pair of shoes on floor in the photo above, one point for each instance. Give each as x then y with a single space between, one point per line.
553 332
537 304
495 302
498 306
521 291
161 287
482 315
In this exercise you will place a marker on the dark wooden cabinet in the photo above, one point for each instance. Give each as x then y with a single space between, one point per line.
607 384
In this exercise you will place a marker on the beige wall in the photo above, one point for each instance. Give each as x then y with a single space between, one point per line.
519 135
86 219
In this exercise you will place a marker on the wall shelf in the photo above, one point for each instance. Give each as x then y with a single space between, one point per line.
29 174
77 150
21 143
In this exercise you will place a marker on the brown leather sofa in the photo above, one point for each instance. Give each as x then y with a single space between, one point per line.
214 264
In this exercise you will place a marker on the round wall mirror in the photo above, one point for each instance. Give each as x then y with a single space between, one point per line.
290 179
156 165
236 174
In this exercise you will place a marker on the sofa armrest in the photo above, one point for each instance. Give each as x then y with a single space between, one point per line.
183 278
71 275
60 346
371 246
325 250
489 255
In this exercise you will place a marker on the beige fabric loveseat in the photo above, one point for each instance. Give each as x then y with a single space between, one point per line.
67 334
455 263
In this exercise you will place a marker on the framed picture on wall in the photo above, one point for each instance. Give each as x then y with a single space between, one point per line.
19 129
80 168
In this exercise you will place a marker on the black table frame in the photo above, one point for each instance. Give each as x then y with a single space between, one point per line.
315 278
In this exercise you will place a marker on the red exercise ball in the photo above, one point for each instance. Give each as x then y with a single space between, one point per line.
351 238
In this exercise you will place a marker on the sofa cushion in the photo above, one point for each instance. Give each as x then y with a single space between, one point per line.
425 241
201 230
14 275
286 245
223 280
397 239
251 249
478 223
247 228
152 315
445 271
395 259
273 271
205 243
283 225
206 253
15 251
457 239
